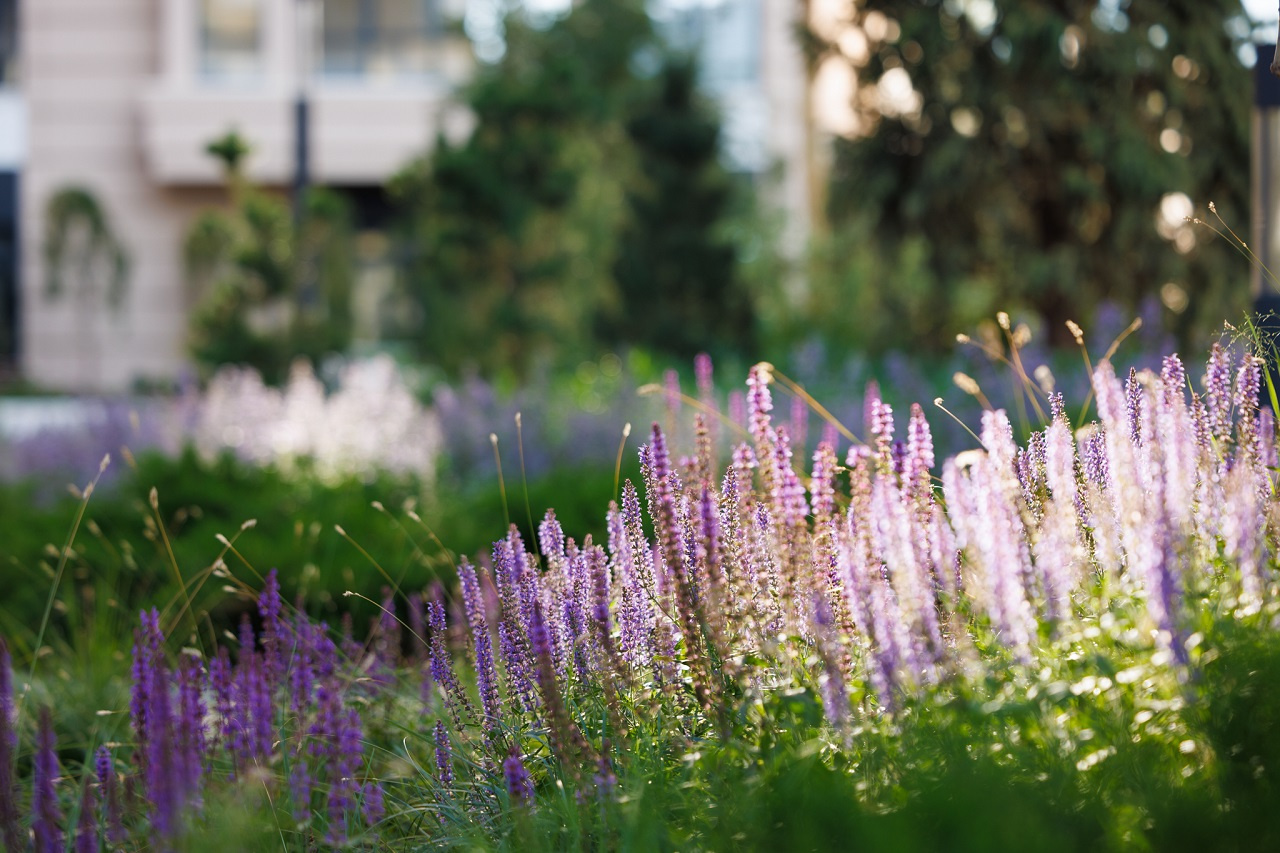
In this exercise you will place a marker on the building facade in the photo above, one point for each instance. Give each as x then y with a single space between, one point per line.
122 96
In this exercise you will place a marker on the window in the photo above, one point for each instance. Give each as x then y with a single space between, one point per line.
381 38
230 39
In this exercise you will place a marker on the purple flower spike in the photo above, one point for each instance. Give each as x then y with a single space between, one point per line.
161 771
87 827
300 785
110 794
46 816
799 426
606 780
190 728
269 608
9 831
343 788
441 667
486 675
517 779
147 641
386 642
418 626
671 395
703 373
374 806
444 754
822 481
919 447
1218 392
759 405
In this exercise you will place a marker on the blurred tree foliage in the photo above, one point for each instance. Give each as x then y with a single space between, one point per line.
511 235
269 285
676 272
1026 165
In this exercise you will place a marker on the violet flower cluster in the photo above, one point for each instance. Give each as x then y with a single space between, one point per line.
285 701
865 581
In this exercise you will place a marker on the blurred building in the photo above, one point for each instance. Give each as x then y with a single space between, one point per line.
121 97
12 141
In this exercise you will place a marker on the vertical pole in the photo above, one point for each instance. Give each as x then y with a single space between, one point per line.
302 107
302 147
301 152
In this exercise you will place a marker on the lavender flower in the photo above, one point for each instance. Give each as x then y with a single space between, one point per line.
822 481
220 679
671 395
386 641
46 815
418 626
269 608
444 754
190 728
919 449
1133 406
87 826
300 785
302 672
9 831
110 794
517 779
1218 392
486 676
147 641
799 426
441 668
372 804
835 699
1248 385
161 775
342 786
605 779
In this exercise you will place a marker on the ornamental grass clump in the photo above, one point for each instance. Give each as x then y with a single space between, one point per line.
877 633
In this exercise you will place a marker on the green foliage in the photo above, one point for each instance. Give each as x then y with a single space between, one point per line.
1031 175
510 232
79 242
584 207
119 553
676 273
133 554
270 285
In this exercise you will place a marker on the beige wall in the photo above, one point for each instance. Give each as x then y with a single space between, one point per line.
84 64
114 105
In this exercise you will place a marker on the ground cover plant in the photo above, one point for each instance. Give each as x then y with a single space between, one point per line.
1063 644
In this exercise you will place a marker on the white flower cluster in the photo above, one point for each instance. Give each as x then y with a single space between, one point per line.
370 423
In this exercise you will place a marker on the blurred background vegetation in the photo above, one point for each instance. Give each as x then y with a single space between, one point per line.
1036 158
1032 157
588 235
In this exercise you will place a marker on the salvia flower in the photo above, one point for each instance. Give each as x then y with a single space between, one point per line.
87 826
46 814
110 786
9 831
516 778
372 803
273 641
1217 385
486 675
444 754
